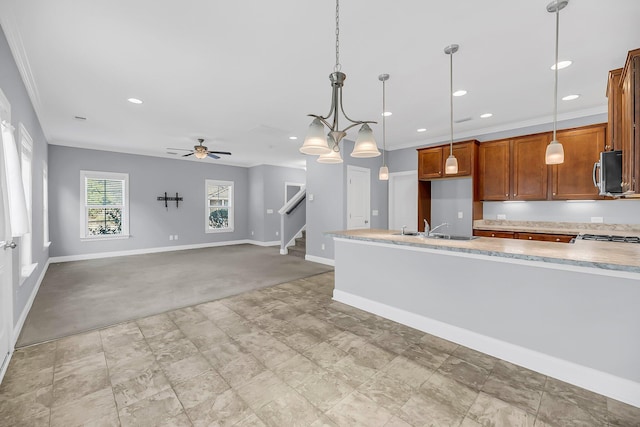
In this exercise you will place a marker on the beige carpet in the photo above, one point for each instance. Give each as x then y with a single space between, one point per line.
84 295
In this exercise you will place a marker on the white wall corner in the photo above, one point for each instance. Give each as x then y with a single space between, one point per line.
320 260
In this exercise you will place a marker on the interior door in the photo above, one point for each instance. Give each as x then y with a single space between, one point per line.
6 300
358 197
403 200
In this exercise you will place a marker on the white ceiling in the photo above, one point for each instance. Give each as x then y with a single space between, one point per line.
244 74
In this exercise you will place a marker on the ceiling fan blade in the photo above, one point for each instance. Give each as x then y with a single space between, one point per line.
221 152
213 156
187 155
180 149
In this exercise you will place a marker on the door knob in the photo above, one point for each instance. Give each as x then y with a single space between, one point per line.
11 245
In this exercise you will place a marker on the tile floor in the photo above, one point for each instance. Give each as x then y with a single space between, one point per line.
283 356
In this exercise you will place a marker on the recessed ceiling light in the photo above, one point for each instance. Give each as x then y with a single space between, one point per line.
561 65
570 97
134 101
485 115
387 113
293 138
422 130
460 93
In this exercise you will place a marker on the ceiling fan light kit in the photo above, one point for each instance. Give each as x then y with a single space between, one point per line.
201 152
316 142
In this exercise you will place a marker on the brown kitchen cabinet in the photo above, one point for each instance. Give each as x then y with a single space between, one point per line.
544 237
513 169
573 179
614 126
630 122
431 160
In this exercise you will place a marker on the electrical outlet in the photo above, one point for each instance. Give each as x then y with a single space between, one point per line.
170 236
311 197
269 211
597 219
460 215
277 233
502 216
323 246
175 237
252 232
374 212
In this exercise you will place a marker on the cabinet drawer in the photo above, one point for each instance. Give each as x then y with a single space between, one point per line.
561 238
490 233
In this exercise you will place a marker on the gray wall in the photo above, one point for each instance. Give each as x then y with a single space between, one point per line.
150 222
256 203
612 211
22 112
448 197
328 209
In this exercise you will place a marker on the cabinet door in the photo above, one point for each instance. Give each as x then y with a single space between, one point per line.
430 163
464 154
493 165
573 179
529 167
614 128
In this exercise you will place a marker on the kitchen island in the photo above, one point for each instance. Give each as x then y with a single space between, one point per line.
570 311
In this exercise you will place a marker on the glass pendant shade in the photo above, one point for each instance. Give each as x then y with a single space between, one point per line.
451 166
383 175
201 154
554 154
315 142
365 143
331 157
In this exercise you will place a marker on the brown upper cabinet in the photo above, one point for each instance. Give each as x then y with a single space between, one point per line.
431 160
513 169
614 95
573 179
630 122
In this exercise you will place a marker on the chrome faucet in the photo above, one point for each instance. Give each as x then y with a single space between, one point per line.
426 227
403 227
444 224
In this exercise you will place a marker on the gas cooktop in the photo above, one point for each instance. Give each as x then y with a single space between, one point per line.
608 238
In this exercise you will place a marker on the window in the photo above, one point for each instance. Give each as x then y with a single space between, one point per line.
219 206
45 205
104 204
26 166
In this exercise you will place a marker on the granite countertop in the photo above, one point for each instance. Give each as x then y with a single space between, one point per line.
558 227
584 253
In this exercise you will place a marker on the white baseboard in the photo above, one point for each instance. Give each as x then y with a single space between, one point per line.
320 260
600 382
82 257
25 311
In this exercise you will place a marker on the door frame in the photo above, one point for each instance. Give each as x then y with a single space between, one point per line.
350 169
6 278
393 176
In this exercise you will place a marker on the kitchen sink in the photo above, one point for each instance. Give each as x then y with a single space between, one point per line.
450 237
406 233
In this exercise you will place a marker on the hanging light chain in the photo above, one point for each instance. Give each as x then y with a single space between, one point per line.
384 121
338 65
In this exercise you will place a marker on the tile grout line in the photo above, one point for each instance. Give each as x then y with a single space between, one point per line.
106 363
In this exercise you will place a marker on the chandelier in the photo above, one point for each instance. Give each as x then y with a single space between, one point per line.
327 145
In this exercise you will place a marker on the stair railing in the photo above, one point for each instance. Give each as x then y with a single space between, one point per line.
293 219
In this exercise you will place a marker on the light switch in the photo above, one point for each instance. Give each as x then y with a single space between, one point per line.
311 197
502 216
374 212
460 215
269 211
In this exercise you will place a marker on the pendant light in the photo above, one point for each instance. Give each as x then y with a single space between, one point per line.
555 153
316 142
383 175
451 165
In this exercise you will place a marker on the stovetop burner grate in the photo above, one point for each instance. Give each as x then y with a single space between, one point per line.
608 238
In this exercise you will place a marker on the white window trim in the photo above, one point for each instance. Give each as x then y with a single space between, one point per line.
125 212
27 266
232 207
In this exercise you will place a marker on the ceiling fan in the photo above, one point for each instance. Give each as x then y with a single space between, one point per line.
201 151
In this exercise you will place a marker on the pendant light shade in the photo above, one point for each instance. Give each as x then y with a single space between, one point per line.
315 142
333 156
555 152
451 165
383 175
365 143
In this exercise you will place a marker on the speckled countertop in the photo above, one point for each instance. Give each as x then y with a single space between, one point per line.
604 255
558 227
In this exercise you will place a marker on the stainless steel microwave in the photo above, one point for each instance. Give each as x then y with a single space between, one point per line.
607 173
